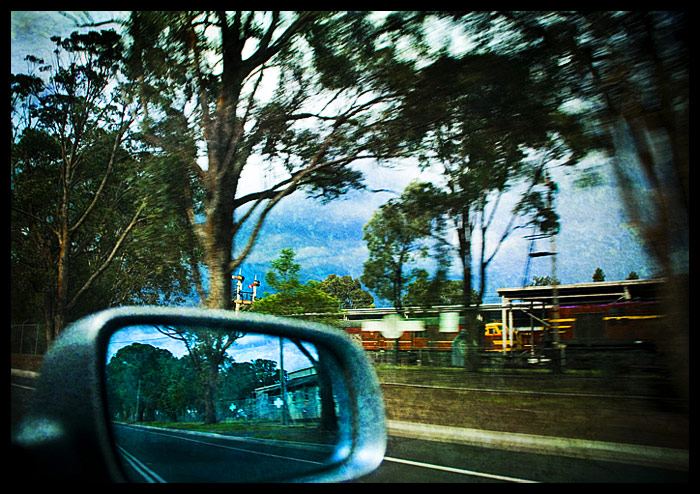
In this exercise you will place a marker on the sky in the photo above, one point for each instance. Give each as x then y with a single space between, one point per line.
247 348
328 239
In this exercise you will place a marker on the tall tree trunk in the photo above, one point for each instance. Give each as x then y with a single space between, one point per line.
210 402
470 322
217 258
49 297
62 267
210 370
219 237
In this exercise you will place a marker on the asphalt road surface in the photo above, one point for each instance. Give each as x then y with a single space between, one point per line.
410 457
420 461
161 455
173 456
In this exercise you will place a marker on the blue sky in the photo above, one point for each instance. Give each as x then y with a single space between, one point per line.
328 240
246 349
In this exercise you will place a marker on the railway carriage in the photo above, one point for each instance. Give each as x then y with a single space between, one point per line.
618 320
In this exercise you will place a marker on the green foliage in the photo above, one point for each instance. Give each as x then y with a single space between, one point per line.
84 190
627 73
284 275
537 207
158 382
542 281
335 82
396 237
207 355
423 292
588 178
477 118
598 275
348 291
294 298
240 379
306 299
147 377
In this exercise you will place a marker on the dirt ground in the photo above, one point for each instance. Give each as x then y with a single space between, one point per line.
621 409
25 362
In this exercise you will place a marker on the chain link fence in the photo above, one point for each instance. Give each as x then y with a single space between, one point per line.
302 405
27 339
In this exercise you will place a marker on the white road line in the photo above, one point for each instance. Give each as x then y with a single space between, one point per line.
22 386
148 474
459 470
245 450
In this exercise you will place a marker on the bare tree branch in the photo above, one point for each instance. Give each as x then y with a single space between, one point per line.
108 260
117 142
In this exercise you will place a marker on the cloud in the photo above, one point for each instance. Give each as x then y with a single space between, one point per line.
328 238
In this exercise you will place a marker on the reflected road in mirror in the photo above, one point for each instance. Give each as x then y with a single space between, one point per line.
200 405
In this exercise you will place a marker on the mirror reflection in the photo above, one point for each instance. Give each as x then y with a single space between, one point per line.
196 405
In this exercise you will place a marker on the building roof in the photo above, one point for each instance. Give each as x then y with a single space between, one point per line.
586 293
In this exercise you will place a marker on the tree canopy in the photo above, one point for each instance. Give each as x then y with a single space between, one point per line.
397 236
293 298
348 291
301 95
88 218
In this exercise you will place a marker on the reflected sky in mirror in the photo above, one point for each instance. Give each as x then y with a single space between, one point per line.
250 346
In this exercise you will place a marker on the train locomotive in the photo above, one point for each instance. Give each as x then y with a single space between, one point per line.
593 324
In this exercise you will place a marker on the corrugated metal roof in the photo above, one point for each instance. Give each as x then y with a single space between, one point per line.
602 291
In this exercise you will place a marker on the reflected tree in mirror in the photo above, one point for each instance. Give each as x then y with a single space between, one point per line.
178 395
207 353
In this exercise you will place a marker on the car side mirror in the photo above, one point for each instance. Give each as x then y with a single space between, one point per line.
192 395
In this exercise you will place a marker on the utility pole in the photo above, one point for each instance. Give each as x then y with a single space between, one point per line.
558 348
283 385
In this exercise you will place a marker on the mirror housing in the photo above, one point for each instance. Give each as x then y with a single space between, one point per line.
67 433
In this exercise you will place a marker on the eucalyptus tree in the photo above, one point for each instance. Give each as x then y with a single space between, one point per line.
290 98
398 235
207 353
484 113
75 202
477 117
140 378
93 221
294 98
629 72
71 112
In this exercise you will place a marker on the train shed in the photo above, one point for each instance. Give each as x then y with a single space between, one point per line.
600 292
534 300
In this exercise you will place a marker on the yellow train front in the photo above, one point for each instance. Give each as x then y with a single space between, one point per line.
522 339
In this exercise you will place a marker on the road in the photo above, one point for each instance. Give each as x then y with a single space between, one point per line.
414 454
194 457
178 456
491 459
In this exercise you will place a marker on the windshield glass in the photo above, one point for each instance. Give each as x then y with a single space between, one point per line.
492 204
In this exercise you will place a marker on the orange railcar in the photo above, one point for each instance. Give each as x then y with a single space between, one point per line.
582 325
